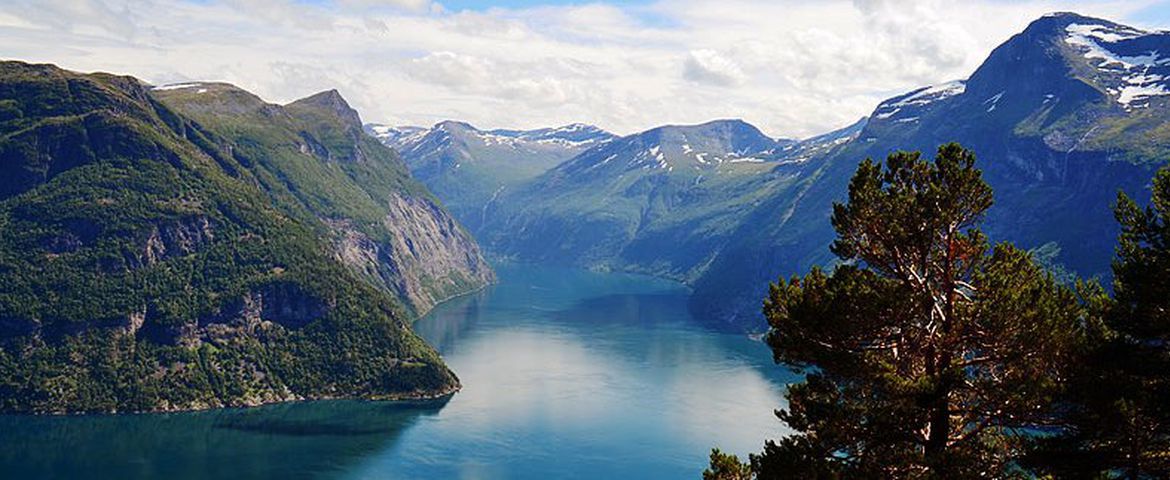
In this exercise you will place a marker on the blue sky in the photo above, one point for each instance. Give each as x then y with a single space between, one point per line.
1154 16
795 68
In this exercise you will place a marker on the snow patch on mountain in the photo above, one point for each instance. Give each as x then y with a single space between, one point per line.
1131 93
179 86
1087 36
395 136
418 142
993 101
934 93
1135 71
920 98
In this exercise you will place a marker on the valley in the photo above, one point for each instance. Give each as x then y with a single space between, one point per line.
726 209
239 278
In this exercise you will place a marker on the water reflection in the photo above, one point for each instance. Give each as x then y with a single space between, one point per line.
577 375
566 374
295 440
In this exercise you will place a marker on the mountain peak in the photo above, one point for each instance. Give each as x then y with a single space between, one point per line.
327 97
1054 24
691 148
574 134
731 135
455 126
330 101
1078 59
730 124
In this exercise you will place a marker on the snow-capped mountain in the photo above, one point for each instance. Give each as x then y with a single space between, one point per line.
690 148
416 143
391 136
576 135
468 168
1061 116
1063 63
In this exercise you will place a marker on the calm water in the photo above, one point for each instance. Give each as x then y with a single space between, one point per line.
566 374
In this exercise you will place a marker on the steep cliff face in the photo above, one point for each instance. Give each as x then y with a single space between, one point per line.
436 257
428 257
314 155
149 263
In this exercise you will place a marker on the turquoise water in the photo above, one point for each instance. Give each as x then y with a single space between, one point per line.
566 374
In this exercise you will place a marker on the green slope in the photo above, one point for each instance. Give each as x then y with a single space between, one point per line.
144 266
314 159
662 202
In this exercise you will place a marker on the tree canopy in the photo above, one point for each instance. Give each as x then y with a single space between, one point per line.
1117 407
927 353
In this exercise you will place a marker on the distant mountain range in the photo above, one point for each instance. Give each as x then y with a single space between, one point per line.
469 168
1062 116
665 201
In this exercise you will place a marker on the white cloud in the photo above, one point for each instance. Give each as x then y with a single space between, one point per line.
792 67
709 67
409 5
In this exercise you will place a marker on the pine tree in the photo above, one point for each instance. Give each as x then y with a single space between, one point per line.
1119 404
727 467
926 353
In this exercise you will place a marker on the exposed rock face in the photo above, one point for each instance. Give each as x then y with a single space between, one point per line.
428 258
281 304
176 238
436 257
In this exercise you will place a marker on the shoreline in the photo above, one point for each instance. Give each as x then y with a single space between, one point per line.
421 398
421 315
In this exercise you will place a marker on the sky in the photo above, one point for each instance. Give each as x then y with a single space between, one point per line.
794 68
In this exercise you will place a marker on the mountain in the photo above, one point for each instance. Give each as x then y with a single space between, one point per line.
469 168
392 136
664 201
1062 116
191 246
314 156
